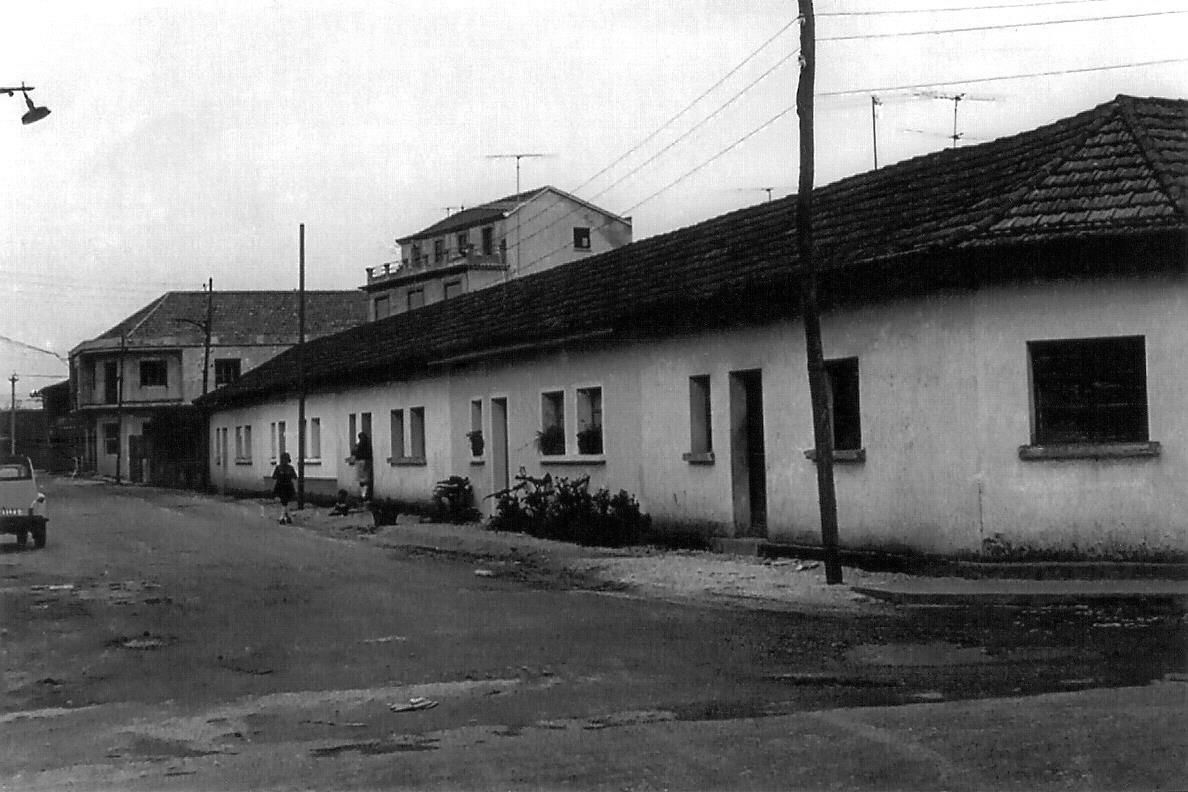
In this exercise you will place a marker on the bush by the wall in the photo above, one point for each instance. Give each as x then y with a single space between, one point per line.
567 511
453 500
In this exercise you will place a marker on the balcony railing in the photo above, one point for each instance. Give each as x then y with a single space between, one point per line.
423 263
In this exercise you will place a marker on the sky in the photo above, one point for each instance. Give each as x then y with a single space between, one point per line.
189 140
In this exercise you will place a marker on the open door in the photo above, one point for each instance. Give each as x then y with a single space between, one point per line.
748 459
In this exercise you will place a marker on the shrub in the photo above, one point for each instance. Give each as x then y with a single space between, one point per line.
550 441
566 510
453 500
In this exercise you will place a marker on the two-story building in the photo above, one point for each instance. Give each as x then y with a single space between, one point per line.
484 245
133 385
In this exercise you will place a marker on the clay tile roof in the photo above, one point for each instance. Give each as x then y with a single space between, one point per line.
1120 168
475 215
239 317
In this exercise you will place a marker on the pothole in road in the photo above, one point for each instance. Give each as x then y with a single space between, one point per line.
143 642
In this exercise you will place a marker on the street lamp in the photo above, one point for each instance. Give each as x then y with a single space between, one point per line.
34 113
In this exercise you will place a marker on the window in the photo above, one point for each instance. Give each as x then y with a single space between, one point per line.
383 307
226 371
153 374
475 434
416 253
551 438
842 381
453 288
272 443
281 443
416 432
243 443
488 241
352 430
463 243
589 419
364 425
220 445
111 438
1091 390
701 438
111 382
397 423
311 434
438 250
581 238
416 297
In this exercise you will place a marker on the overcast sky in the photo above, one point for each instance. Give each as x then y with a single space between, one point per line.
189 139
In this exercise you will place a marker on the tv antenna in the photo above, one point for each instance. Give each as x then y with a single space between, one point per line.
956 99
517 158
449 210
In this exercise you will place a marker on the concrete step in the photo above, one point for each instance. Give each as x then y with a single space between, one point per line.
739 546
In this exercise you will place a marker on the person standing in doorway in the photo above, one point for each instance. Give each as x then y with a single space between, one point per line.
362 457
284 475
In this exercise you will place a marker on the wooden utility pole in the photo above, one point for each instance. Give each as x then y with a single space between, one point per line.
301 428
120 408
818 386
874 128
12 417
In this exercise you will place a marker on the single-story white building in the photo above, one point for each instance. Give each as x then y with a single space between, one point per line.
1003 326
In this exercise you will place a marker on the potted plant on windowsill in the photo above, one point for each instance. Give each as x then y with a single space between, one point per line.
550 441
589 440
476 442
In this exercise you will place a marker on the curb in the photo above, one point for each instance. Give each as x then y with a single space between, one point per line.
1173 596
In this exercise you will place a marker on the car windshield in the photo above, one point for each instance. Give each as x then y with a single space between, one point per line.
10 471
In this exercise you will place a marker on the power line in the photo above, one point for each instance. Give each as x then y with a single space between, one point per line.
1003 78
791 108
956 8
998 27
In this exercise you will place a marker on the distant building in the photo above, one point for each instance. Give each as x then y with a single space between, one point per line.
133 385
488 244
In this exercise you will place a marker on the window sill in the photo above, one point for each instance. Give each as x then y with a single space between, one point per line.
1035 453
313 462
587 459
478 460
844 456
699 458
247 462
407 461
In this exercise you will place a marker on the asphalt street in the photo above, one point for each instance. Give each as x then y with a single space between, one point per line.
168 640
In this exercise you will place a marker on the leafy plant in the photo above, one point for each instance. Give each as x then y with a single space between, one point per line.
453 500
476 442
550 441
566 510
589 440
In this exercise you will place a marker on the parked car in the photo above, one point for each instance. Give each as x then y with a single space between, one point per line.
22 507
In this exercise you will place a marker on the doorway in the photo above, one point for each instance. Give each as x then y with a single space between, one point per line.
748 459
499 460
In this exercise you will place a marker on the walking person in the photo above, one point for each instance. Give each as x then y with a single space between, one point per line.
284 489
362 457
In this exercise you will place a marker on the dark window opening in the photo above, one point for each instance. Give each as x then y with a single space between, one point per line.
842 376
488 241
1091 390
581 238
226 371
453 288
153 374
416 298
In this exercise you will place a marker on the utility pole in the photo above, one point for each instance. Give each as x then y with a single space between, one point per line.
874 127
517 158
12 417
120 407
206 332
301 431
818 386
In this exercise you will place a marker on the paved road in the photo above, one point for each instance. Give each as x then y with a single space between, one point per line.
170 641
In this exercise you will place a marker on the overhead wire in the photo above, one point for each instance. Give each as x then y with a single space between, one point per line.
998 7
846 92
1011 26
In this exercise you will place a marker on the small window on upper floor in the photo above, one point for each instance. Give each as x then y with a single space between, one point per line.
1089 390
416 254
438 251
581 238
463 243
226 371
153 374
383 307
416 297
453 288
701 438
488 241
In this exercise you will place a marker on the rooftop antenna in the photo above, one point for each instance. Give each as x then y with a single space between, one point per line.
767 190
517 157
956 99
449 210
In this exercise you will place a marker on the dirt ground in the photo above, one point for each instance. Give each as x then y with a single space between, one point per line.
744 581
